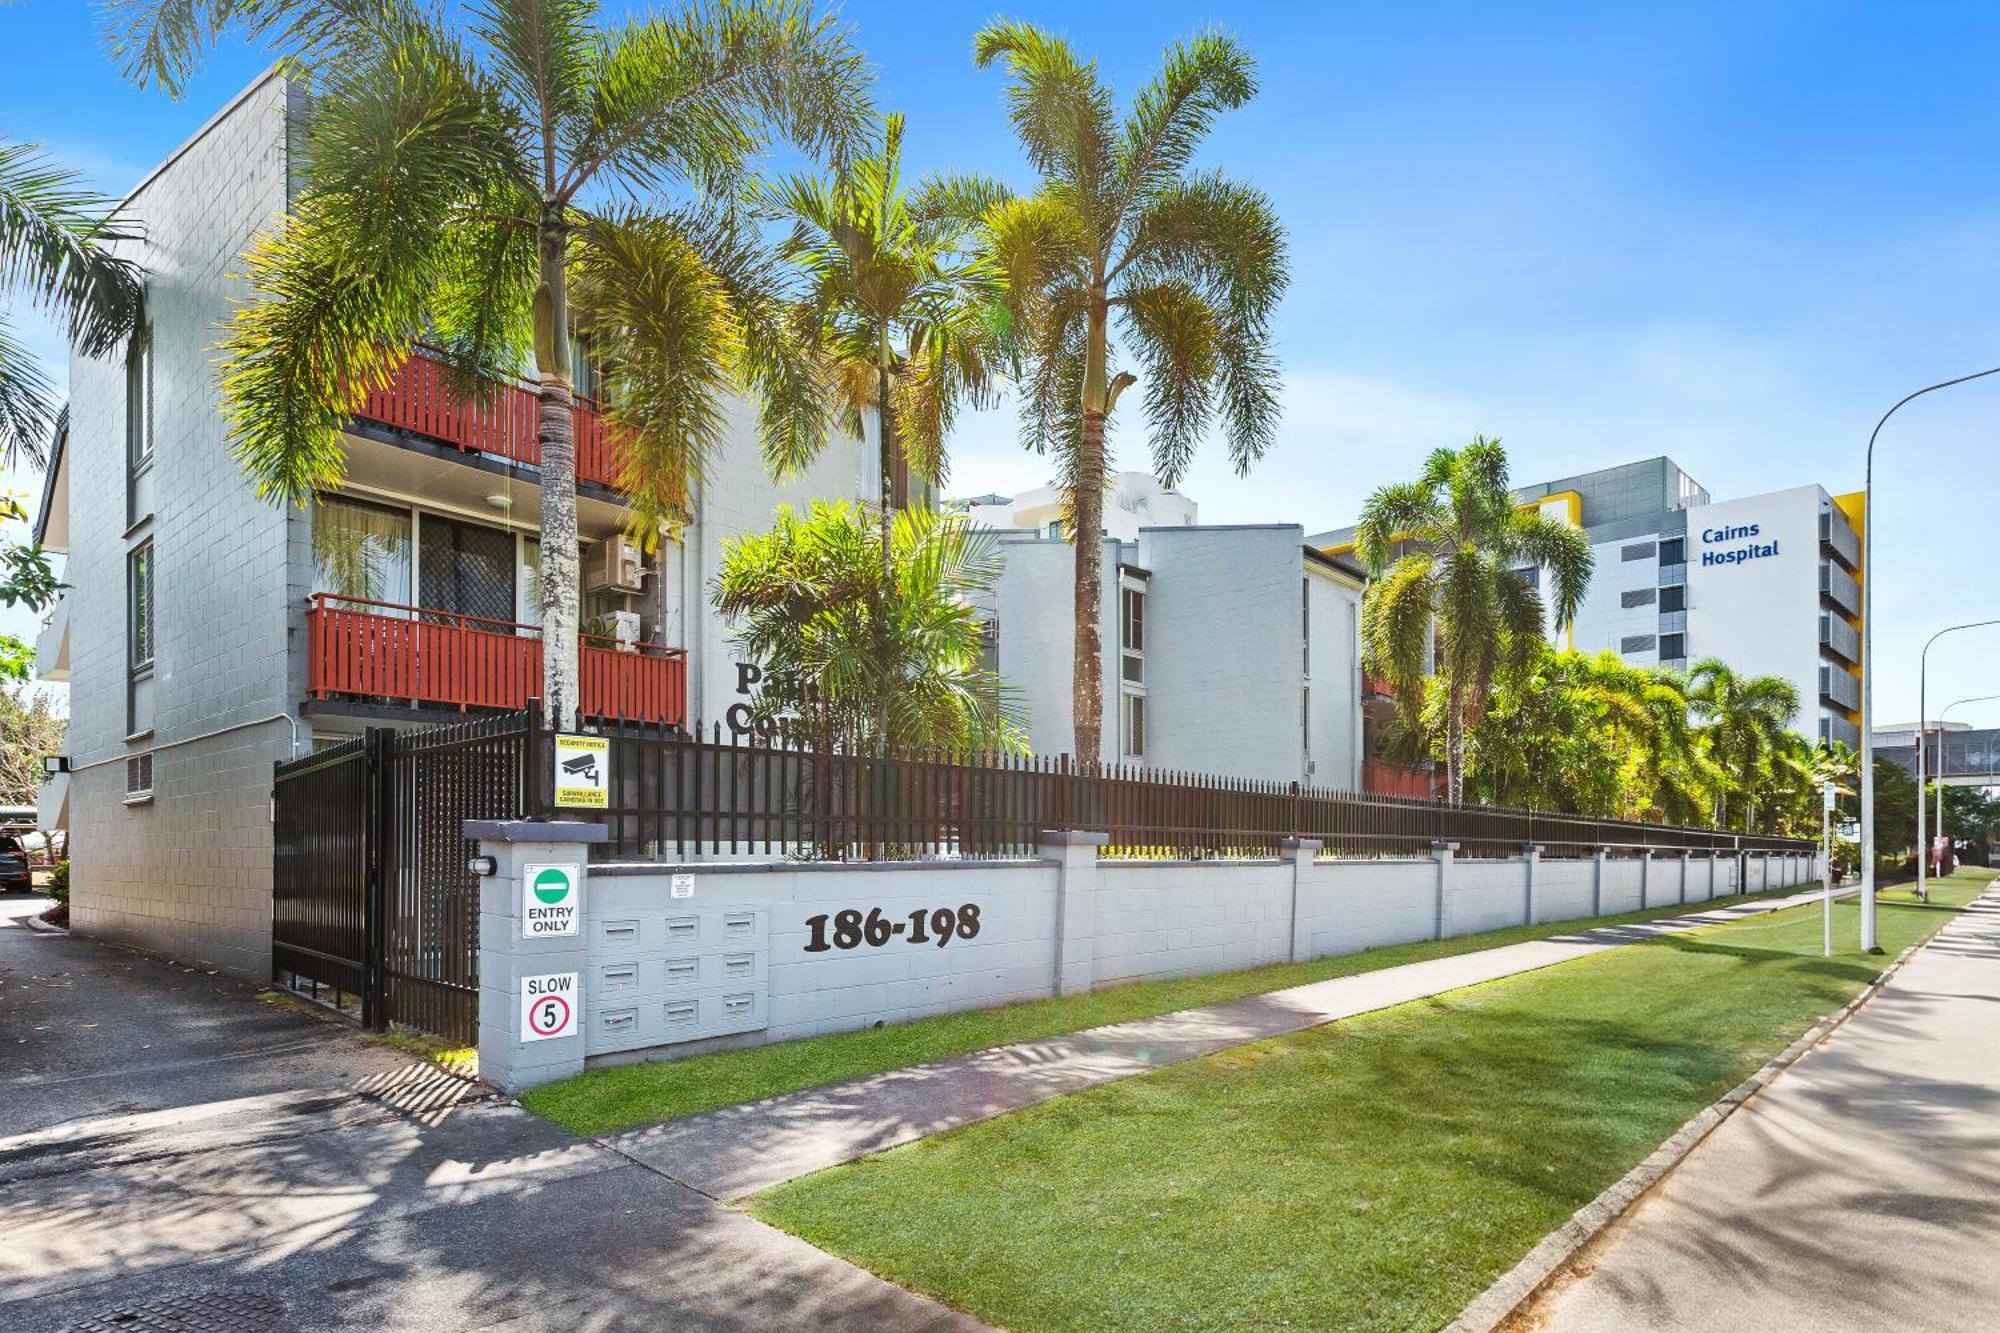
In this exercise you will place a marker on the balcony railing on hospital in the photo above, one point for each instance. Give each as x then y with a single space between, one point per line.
419 401
367 650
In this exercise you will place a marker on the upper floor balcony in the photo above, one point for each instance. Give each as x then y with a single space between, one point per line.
1837 535
419 402
52 643
1838 586
368 651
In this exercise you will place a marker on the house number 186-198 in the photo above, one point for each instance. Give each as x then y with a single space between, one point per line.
938 925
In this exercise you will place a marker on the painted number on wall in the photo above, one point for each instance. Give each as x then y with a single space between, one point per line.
939 926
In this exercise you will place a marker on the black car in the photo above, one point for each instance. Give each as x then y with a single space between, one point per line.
14 875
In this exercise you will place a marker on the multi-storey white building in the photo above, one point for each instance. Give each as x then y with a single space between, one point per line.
206 633
1228 649
1768 583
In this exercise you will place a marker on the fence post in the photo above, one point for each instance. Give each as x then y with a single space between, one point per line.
511 1055
1532 854
1645 878
1599 854
1075 855
1299 853
1684 877
378 822
1442 852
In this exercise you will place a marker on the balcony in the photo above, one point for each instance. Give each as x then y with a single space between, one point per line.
1840 638
1379 778
1839 687
370 651
1374 686
1839 587
1839 537
52 643
419 402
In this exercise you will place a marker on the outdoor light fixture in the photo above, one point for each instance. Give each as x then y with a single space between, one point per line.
53 764
483 866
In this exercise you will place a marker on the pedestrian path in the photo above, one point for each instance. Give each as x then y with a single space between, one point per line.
740 1150
1859 1190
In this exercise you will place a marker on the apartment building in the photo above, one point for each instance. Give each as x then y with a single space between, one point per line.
1227 649
206 633
1768 583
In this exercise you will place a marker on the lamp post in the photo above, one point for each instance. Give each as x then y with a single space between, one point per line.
1923 683
1868 581
1944 713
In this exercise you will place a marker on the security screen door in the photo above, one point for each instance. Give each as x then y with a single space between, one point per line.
465 568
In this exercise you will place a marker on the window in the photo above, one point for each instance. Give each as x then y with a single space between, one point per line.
361 550
139 777
1637 597
1637 643
139 597
1674 598
1134 726
1531 576
1673 551
1305 722
1638 551
1132 635
139 426
1306 626
1673 647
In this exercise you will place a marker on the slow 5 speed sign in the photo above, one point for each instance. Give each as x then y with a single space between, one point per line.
549 1006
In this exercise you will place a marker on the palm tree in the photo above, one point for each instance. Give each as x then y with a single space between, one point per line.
1452 556
860 655
470 191
1744 716
1190 264
55 240
899 305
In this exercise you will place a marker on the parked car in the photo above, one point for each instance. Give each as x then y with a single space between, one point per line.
15 876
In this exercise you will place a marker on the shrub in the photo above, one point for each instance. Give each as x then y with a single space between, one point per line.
59 881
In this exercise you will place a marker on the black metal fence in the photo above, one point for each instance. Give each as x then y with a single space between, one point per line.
718 794
373 897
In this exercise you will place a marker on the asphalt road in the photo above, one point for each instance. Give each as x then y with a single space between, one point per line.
178 1153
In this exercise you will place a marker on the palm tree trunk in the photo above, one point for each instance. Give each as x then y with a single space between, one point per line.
886 435
1454 750
1087 680
555 422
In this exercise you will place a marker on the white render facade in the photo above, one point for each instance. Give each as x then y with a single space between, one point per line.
186 634
1231 650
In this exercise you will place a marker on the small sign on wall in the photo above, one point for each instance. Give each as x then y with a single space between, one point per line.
551 901
583 771
549 1006
681 886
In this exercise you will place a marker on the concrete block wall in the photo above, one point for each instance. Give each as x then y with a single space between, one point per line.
1623 883
675 960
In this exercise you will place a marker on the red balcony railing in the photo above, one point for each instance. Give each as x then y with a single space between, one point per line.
420 401
1379 778
381 650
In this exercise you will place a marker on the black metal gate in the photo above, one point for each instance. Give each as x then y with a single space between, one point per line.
372 896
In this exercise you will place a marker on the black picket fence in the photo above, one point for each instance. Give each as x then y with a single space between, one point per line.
375 905
717 793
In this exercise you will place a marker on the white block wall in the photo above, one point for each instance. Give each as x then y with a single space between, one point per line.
1157 920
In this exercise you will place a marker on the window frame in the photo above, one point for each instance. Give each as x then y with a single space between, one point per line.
141 614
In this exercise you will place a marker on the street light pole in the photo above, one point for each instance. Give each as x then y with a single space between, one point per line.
1868 581
1923 684
1944 713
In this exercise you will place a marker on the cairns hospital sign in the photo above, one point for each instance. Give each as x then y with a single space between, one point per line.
1740 543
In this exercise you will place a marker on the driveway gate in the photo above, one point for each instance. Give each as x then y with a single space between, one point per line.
372 895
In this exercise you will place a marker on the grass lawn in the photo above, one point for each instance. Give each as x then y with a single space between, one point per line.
1376 1173
605 1100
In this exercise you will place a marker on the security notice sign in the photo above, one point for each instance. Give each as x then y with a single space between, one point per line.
551 902
549 1006
583 771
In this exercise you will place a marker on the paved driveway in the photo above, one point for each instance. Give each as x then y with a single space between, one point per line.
176 1146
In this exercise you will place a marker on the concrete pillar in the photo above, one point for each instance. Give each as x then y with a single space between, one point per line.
1598 855
1646 878
1442 852
1684 878
510 961
1299 854
1075 856
1532 855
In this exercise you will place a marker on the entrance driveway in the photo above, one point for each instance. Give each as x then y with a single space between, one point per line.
172 1145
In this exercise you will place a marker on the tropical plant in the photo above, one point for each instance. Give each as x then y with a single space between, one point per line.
862 657
1453 596
480 189
900 308
30 730
1189 265
55 249
1745 718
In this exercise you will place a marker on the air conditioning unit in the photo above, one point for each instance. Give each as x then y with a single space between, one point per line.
615 566
625 629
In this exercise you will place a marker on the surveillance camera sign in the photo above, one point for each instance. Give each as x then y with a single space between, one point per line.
583 771
549 1006
551 901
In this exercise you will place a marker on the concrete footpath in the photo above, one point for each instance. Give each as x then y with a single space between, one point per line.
175 1155
1859 1190
740 1150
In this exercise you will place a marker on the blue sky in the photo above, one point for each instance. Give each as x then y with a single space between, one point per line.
1731 233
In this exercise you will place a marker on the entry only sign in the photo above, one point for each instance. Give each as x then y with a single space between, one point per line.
549 1006
551 902
583 771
